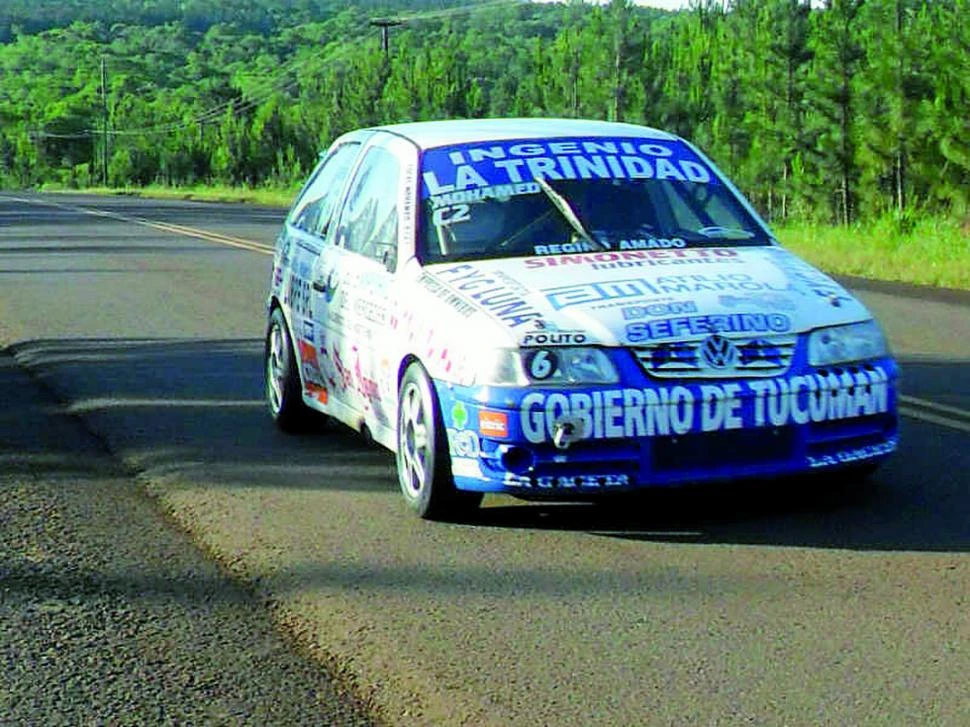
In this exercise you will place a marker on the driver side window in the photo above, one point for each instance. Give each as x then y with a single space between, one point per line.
369 220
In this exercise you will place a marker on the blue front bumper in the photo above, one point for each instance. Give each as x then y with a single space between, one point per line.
568 442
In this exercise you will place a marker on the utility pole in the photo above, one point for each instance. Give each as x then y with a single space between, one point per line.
104 119
385 24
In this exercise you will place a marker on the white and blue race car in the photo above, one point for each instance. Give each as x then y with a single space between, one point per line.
562 309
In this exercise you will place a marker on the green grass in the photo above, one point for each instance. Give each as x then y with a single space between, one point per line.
929 251
269 196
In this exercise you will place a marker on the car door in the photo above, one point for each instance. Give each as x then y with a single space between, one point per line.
358 281
304 242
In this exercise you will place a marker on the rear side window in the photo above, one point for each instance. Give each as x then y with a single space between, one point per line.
314 208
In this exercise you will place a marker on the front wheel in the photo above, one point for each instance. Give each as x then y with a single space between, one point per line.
423 463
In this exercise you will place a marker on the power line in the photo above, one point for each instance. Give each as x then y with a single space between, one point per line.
459 10
295 64
277 86
272 86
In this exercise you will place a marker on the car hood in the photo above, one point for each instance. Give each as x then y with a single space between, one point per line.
638 296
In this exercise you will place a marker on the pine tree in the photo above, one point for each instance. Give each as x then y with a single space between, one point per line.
833 96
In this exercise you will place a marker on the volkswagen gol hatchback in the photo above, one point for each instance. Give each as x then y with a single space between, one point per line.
562 309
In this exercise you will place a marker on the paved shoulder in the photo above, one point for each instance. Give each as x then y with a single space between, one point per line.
109 614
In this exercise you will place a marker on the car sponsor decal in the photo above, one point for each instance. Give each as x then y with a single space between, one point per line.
491 293
457 202
493 423
652 243
566 482
317 391
314 383
848 456
425 336
451 298
462 174
564 296
308 353
554 338
463 443
408 194
363 383
801 274
636 258
466 467
771 301
571 248
682 409
309 331
371 310
297 294
459 414
648 310
702 325
343 376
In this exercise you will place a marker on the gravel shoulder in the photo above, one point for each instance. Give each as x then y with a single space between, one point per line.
110 614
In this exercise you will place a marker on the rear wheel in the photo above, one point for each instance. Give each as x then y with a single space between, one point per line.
283 388
423 462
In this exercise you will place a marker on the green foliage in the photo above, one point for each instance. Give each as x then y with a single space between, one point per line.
914 248
834 113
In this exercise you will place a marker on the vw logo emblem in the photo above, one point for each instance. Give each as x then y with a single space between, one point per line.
718 352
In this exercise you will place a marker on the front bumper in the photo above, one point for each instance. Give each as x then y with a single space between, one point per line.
563 443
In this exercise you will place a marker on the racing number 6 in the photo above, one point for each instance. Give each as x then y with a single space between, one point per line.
542 365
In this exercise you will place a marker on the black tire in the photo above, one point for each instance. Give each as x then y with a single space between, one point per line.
283 388
423 462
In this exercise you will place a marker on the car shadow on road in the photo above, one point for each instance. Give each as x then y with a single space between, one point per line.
193 410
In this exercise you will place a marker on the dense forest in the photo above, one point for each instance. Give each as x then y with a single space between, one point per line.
836 111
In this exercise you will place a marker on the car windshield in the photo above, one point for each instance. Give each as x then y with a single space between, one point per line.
514 199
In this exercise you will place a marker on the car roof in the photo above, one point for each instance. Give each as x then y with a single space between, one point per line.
430 134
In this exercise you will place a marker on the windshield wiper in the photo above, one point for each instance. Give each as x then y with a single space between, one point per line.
727 233
568 213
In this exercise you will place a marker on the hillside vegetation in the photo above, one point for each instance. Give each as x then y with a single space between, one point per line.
842 113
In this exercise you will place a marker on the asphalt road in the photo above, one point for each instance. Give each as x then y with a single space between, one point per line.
773 604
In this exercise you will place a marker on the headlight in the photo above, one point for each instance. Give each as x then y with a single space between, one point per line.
553 366
842 344
501 367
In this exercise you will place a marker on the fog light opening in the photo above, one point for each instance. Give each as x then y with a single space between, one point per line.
517 460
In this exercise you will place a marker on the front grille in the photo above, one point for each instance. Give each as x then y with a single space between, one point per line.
761 356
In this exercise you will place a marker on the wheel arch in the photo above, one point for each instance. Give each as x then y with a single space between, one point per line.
403 366
274 303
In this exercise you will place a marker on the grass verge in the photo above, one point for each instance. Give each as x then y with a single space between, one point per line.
269 196
930 251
